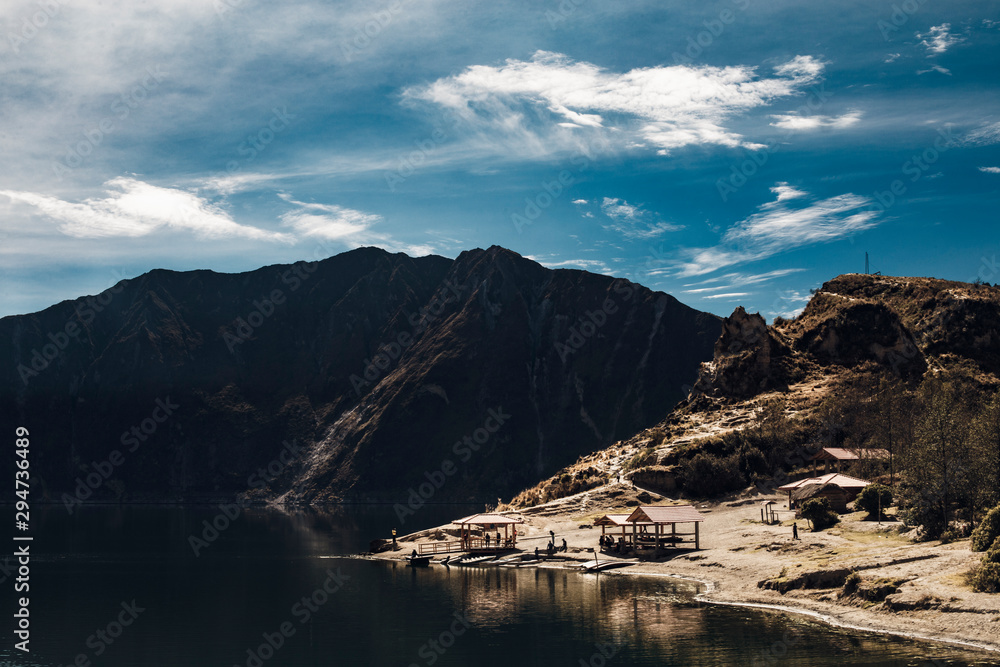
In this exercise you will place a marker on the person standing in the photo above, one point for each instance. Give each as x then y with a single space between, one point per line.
795 530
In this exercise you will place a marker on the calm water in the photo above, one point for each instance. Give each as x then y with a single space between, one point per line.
249 583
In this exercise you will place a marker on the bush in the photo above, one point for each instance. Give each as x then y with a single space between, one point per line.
851 584
645 457
986 578
817 511
988 530
873 498
707 476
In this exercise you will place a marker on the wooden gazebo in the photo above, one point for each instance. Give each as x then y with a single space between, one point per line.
661 516
614 522
488 523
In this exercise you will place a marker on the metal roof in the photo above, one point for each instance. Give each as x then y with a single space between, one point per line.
488 520
841 480
665 514
841 454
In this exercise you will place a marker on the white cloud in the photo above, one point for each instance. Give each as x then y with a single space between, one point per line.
666 107
734 280
990 170
892 57
346 226
777 227
795 122
985 135
593 265
937 40
935 68
327 221
785 191
728 295
580 201
632 221
132 208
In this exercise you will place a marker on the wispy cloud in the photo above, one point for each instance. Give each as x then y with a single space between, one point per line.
935 68
551 99
350 227
892 57
777 227
938 39
737 280
132 208
990 170
985 135
794 122
785 192
593 265
633 221
728 295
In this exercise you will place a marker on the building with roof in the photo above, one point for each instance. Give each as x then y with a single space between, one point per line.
839 456
851 485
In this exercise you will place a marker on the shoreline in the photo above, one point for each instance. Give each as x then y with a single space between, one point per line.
931 603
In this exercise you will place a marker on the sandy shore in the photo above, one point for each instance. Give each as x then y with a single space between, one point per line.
932 600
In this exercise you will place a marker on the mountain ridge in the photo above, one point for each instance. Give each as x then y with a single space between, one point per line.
374 364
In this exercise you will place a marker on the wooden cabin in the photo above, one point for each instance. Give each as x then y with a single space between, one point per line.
851 485
840 457
834 494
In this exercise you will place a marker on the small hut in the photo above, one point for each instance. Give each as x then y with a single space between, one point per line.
839 457
851 485
834 494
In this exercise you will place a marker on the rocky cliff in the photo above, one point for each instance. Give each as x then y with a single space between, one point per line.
853 324
364 376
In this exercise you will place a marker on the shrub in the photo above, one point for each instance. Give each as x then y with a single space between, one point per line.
706 475
817 511
988 530
851 584
645 457
873 498
986 578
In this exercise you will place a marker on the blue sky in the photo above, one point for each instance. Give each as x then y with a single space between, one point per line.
730 153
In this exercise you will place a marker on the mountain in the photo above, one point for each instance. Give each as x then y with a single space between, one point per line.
854 328
364 376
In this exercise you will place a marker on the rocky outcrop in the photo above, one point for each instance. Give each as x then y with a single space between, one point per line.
861 331
749 359
364 376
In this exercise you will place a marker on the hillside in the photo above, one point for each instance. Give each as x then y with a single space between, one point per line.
359 377
854 328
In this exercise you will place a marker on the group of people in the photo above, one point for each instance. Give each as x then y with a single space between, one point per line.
608 542
508 543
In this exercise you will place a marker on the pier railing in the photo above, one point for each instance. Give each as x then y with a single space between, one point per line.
439 548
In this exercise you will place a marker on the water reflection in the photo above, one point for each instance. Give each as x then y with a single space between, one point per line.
212 608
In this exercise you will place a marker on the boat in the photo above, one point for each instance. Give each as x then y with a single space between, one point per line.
595 566
476 560
418 561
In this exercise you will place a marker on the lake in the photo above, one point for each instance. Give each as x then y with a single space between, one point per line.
123 586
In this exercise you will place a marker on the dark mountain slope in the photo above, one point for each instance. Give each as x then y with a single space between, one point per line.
374 364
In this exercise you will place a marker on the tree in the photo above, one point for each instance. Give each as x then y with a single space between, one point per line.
986 533
874 498
986 439
939 469
817 511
